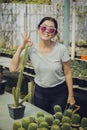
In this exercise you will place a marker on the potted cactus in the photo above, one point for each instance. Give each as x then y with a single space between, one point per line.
16 110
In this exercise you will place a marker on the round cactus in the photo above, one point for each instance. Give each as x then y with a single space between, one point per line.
76 118
57 108
44 128
49 119
32 119
66 126
16 125
40 114
32 126
66 119
55 127
21 128
44 124
74 128
84 122
39 120
56 122
68 113
25 122
59 116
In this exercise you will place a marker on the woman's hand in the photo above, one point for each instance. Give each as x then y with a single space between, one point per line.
71 100
26 40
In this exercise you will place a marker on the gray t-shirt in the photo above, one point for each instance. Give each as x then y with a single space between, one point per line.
48 68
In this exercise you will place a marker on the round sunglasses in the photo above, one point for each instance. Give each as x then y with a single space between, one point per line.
43 28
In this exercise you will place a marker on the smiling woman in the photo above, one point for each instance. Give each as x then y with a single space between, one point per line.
53 79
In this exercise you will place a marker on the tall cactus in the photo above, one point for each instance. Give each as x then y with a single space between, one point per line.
16 90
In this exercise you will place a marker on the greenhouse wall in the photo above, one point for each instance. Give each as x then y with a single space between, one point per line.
17 18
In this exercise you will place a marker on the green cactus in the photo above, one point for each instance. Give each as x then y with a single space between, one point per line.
55 127
32 119
44 124
76 118
21 128
39 120
56 122
66 126
32 126
68 113
57 108
43 128
25 122
16 90
66 119
49 119
40 114
59 115
16 125
84 122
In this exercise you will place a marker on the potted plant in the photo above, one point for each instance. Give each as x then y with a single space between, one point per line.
16 110
2 83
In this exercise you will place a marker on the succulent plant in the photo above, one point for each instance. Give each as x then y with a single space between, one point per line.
66 126
49 119
21 128
84 122
39 120
68 112
16 90
43 128
32 119
56 122
40 113
76 118
32 126
25 122
66 119
57 108
16 125
55 127
44 124
59 115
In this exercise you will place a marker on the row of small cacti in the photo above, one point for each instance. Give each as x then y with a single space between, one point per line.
60 121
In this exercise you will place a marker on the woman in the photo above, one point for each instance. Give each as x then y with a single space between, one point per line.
53 80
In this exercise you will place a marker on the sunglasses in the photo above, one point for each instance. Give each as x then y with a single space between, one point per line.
50 29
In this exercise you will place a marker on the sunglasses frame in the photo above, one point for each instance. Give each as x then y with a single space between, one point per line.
49 28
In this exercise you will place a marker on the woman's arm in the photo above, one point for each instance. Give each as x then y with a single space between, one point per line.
68 77
15 62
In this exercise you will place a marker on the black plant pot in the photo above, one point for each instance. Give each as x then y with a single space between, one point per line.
16 112
2 86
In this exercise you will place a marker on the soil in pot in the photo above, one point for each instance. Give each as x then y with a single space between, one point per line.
2 86
16 112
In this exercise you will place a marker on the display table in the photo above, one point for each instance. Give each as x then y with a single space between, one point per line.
6 121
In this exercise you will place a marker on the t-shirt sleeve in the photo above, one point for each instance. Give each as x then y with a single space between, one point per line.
65 55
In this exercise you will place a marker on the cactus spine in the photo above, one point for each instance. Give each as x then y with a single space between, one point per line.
16 90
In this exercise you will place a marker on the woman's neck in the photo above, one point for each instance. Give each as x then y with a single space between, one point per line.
45 44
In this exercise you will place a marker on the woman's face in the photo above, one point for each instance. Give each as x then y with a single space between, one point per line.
47 30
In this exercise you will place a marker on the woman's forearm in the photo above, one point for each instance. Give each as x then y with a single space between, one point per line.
15 62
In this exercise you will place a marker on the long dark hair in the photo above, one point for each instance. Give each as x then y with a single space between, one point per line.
49 19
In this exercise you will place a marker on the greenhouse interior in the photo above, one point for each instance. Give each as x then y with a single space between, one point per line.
19 23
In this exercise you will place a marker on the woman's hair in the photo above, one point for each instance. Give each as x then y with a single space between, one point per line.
49 19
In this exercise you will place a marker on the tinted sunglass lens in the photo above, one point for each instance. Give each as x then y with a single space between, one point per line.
43 28
52 30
